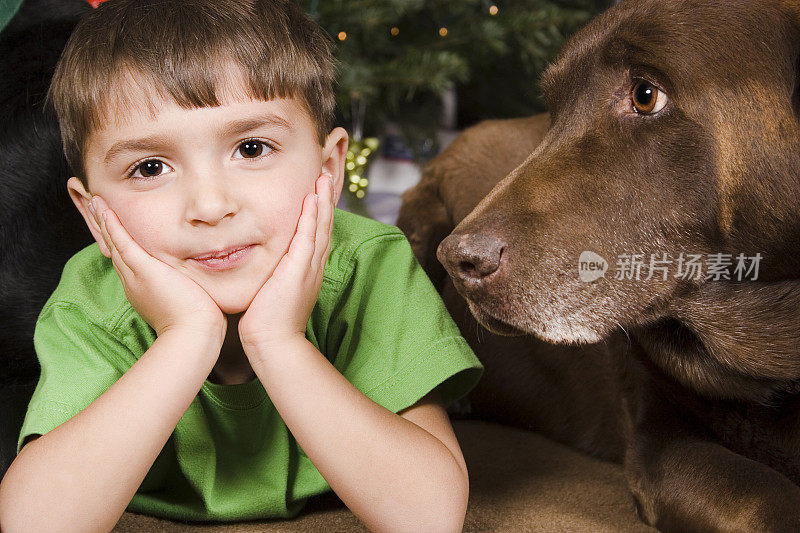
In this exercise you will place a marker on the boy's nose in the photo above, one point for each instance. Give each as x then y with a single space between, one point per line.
210 200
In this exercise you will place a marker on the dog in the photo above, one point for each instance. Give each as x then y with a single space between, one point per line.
40 229
562 246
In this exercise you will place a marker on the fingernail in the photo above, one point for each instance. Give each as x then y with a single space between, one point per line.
91 205
105 215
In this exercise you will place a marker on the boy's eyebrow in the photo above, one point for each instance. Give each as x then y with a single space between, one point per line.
235 127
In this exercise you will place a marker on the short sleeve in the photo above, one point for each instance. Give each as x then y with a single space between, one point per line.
393 337
77 364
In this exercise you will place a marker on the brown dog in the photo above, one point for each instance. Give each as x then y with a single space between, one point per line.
673 138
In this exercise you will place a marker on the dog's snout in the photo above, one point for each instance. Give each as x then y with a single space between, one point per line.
470 257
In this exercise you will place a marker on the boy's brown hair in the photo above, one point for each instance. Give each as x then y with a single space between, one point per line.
176 47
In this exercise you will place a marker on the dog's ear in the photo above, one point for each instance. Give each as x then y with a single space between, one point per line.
456 180
757 135
425 221
791 9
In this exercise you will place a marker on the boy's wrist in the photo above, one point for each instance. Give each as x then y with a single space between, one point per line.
205 329
206 337
272 348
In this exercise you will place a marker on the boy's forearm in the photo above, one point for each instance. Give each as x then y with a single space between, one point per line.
81 475
392 474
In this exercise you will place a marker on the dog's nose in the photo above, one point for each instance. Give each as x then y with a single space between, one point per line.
470 256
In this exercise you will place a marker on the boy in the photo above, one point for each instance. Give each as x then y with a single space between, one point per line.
315 355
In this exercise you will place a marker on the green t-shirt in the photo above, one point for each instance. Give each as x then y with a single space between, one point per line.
378 320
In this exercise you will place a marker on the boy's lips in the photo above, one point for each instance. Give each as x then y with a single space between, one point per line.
237 256
220 252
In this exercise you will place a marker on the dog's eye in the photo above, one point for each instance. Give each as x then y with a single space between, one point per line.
647 99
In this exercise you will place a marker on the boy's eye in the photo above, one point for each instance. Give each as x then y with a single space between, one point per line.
253 148
149 169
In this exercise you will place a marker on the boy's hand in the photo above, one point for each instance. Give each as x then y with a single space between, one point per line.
280 309
163 296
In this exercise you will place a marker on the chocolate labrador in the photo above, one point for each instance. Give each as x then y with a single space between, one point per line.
627 266
40 228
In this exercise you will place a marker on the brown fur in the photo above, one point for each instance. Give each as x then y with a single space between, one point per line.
694 385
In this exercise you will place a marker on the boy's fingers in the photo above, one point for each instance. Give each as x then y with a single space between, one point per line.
324 214
97 211
118 239
330 237
327 247
117 260
99 220
301 248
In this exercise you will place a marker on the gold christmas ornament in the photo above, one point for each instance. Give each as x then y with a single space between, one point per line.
359 155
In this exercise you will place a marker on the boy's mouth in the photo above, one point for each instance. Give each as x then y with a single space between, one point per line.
220 254
224 259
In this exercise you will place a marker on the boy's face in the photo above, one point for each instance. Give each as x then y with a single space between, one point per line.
208 179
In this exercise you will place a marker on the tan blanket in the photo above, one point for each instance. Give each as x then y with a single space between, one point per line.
519 481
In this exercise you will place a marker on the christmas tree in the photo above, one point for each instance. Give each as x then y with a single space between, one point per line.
398 57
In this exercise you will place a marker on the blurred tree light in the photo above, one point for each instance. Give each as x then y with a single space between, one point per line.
397 57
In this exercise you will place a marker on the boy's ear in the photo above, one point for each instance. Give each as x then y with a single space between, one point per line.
80 197
334 155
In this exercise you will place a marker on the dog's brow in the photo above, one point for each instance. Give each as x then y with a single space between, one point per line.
621 50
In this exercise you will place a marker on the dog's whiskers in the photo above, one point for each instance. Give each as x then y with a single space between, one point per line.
624 331
477 329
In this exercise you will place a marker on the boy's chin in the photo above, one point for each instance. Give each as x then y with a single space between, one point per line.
237 310
231 306
233 302
233 296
